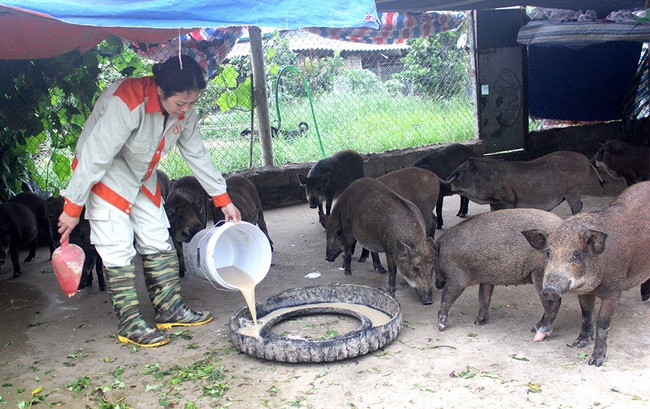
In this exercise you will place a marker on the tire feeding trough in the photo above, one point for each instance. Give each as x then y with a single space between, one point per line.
378 315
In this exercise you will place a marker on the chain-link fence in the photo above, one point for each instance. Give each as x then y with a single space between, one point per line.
326 95
323 95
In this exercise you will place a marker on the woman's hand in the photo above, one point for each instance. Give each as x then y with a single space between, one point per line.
231 212
66 224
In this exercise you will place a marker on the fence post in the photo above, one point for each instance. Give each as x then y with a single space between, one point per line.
261 100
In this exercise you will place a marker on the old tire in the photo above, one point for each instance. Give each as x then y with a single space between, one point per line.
364 339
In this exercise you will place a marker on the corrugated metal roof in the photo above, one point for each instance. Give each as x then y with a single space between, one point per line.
303 40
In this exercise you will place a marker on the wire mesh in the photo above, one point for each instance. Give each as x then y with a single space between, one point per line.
341 95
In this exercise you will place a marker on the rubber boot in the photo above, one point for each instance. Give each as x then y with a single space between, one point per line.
164 287
132 328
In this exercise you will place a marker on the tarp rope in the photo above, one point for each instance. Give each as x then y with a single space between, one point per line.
311 104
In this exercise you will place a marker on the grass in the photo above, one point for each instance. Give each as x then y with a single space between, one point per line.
366 123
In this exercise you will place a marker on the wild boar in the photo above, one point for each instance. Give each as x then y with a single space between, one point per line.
329 177
164 182
80 236
419 186
542 183
22 219
621 160
189 207
598 255
442 162
489 249
244 195
383 222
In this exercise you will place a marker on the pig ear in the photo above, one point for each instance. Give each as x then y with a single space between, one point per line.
432 244
595 240
302 179
325 177
322 218
408 249
536 238
471 165
253 216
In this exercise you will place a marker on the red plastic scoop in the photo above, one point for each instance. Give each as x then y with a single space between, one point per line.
68 261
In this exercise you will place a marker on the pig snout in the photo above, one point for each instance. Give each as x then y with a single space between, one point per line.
186 234
332 253
426 295
551 293
554 286
313 202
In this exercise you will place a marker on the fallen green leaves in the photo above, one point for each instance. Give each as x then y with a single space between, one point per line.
203 374
471 372
534 387
633 397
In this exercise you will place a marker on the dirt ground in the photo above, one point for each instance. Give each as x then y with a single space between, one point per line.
60 351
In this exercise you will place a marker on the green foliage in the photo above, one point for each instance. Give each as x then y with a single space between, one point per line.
43 105
436 66
360 81
395 87
320 73
225 92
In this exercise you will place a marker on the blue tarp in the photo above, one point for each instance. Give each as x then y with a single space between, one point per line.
38 28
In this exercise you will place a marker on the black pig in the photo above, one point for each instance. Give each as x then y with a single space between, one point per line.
244 195
189 207
22 219
621 160
442 162
329 177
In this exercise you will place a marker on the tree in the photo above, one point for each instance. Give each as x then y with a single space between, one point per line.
436 66
43 105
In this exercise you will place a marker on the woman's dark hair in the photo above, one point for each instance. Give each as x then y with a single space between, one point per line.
172 79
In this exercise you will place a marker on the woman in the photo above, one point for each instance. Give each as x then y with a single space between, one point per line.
134 122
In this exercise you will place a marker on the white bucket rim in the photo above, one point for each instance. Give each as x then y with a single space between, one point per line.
211 238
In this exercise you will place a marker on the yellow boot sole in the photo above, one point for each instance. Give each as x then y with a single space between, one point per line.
168 325
128 341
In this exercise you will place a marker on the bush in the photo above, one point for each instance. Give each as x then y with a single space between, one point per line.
360 81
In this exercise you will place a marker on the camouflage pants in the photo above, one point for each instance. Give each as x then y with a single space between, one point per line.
164 288
131 328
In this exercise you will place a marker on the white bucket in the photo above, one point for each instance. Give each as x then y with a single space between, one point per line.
227 245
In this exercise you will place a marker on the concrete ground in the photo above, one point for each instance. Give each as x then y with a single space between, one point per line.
62 351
